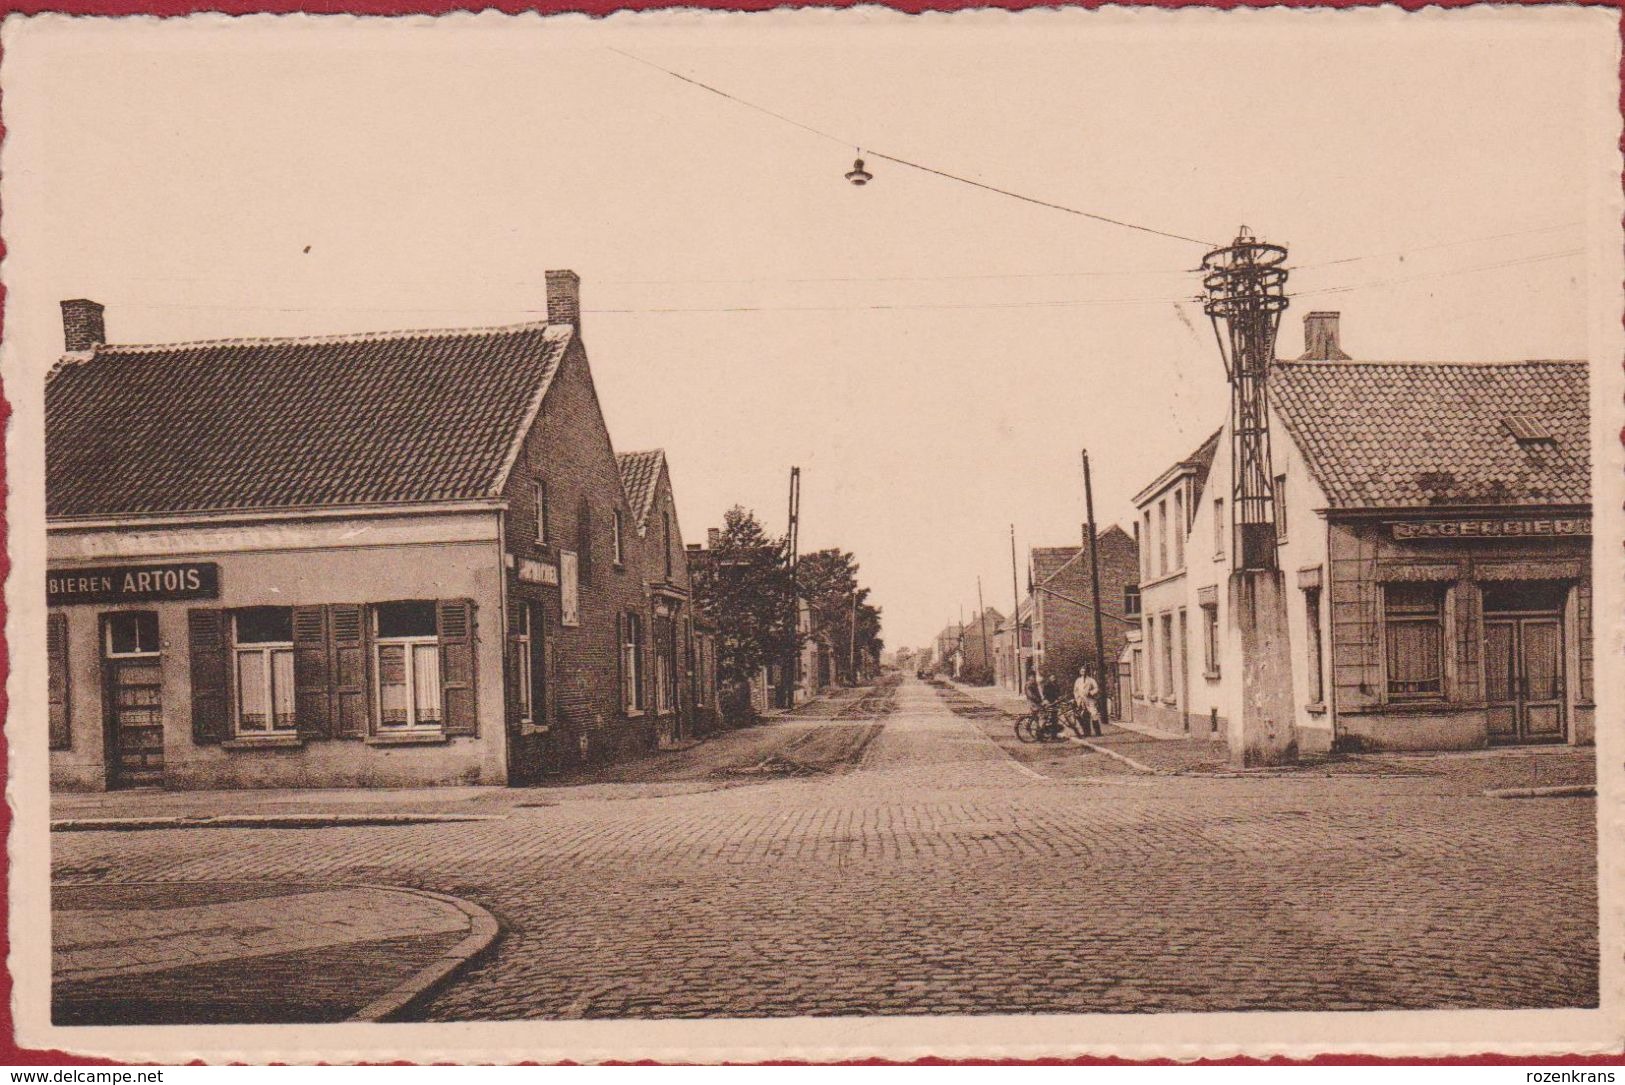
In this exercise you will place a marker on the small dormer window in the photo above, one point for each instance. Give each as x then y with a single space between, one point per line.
1528 432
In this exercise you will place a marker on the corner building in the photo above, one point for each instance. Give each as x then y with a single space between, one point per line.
365 560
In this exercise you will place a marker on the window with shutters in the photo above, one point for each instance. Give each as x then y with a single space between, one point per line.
406 665
1413 633
632 664
262 670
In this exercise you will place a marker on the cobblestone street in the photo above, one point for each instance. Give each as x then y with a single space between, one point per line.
919 869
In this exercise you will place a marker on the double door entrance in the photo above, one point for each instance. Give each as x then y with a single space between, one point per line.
1524 664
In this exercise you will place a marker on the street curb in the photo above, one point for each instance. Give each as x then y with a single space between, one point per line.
1556 791
1124 758
258 821
483 932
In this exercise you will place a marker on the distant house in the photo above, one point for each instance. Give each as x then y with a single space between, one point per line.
1063 616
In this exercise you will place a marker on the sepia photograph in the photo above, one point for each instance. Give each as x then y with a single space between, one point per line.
814 535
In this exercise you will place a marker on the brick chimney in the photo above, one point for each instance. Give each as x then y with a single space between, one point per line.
1320 342
82 325
564 299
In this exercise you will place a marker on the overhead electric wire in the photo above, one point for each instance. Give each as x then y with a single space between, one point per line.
864 148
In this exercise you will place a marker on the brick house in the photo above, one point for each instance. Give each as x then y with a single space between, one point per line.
1063 623
360 560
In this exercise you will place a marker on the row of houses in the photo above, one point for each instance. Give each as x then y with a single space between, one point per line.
1433 534
401 559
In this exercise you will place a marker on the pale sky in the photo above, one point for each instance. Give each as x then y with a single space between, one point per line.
932 356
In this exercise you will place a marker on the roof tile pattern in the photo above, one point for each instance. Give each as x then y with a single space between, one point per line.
292 424
1432 434
640 475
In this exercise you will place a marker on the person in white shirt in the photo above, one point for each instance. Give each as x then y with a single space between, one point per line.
1085 694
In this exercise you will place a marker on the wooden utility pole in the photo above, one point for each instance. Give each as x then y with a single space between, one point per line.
1094 588
1015 616
987 654
792 539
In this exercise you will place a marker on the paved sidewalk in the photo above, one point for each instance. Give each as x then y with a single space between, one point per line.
243 952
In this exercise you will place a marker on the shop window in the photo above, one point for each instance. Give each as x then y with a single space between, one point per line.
1131 600
406 659
1315 661
1413 631
262 666
616 530
131 633
631 664
1210 639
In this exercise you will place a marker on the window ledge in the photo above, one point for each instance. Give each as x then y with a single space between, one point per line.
528 728
409 738
264 742
634 713
1316 708
1211 676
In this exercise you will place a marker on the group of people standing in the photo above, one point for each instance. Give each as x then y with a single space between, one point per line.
1045 695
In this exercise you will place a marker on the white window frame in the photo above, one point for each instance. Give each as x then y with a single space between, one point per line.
524 663
618 537
266 650
411 645
632 664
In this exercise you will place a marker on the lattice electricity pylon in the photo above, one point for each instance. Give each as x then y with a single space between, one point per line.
1246 293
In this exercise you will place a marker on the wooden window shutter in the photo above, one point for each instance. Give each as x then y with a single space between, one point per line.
211 674
348 669
56 669
456 629
312 693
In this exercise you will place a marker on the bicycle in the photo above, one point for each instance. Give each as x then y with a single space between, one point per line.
1032 727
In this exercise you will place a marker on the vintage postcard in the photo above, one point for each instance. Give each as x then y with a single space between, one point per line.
814 535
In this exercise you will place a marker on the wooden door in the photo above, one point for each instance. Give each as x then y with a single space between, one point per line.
136 722
1523 678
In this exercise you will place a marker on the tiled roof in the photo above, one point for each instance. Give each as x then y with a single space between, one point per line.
640 472
1048 560
292 423
1431 434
